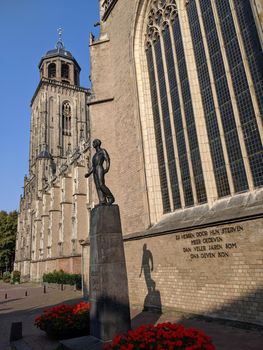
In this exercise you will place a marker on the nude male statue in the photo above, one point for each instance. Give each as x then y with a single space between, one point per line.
98 171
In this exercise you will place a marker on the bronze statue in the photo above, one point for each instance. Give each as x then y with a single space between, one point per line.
98 171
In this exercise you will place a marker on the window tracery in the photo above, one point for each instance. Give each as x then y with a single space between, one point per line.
227 76
161 14
180 166
230 125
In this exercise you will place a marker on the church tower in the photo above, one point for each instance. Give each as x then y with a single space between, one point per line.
59 113
53 215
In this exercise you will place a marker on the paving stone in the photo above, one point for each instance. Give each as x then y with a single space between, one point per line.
82 343
226 335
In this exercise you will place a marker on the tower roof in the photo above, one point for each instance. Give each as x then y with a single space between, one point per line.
59 51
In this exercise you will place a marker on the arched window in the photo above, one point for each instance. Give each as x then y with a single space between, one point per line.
52 70
174 120
66 119
64 71
230 65
206 82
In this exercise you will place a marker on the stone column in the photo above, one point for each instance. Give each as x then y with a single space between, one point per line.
66 209
79 195
54 214
37 229
45 224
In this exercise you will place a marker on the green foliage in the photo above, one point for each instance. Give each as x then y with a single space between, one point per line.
62 277
6 276
8 229
15 276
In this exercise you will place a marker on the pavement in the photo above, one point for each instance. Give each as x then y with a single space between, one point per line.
18 307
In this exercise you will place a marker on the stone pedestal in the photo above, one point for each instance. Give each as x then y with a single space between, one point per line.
108 285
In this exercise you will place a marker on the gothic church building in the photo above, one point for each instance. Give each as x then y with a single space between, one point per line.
177 100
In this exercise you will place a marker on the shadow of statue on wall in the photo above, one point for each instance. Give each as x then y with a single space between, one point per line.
152 301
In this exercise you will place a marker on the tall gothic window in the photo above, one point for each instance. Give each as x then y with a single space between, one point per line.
174 120
229 71
66 119
243 92
222 38
52 70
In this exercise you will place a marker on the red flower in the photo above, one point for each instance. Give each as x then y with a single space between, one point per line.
165 336
65 320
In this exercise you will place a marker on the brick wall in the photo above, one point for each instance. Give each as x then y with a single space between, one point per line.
215 271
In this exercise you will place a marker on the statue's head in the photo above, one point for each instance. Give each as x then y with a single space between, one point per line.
96 143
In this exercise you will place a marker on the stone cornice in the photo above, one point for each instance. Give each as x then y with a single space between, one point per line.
79 194
56 258
22 260
55 83
97 101
99 42
150 233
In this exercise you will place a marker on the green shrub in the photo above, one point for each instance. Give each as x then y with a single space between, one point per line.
62 277
15 276
6 276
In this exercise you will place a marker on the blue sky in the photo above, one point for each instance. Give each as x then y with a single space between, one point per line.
28 28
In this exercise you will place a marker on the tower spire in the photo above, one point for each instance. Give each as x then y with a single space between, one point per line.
60 44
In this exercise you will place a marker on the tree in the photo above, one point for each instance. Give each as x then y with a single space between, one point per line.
8 229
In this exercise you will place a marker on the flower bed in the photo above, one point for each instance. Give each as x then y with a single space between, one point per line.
164 336
65 321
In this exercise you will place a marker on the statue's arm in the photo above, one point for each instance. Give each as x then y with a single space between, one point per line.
90 171
107 161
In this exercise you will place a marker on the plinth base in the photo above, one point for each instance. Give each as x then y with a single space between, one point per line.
109 297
